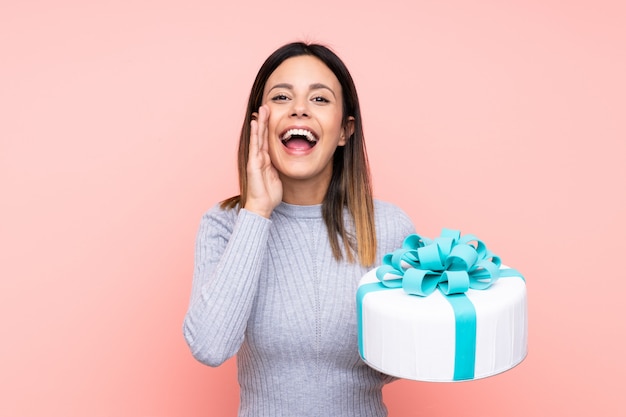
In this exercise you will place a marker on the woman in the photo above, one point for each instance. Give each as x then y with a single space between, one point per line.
277 266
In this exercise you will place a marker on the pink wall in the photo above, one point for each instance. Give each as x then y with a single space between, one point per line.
118 126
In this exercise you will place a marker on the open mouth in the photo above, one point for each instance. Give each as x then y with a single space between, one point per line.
299 139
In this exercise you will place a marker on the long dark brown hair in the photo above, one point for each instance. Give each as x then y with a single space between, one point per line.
350 184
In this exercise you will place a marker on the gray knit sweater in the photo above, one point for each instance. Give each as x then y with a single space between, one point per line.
270 291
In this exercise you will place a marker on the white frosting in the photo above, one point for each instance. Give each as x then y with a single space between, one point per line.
413 337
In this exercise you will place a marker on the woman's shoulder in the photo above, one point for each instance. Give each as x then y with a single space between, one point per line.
393 225
219 217
387 213
386 208
221 211
228 216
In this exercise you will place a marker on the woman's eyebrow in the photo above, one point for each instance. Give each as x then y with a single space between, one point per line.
314 86
317 86
286 86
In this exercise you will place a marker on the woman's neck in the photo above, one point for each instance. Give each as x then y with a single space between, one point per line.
304 192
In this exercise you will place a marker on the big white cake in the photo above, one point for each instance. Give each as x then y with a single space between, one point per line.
413 330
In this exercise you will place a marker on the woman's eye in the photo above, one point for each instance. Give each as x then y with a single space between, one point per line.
320 99
279 97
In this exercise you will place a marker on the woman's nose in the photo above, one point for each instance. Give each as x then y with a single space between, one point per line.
300 108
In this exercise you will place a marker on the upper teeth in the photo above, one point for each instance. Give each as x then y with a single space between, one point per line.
300 132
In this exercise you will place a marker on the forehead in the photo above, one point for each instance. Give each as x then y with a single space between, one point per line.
303 70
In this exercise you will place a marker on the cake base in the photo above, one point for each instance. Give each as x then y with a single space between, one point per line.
413 337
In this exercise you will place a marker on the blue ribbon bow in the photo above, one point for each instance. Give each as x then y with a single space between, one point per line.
450 262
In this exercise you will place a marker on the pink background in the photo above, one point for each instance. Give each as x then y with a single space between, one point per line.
118 129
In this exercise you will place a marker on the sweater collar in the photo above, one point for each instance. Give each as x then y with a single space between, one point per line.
304 212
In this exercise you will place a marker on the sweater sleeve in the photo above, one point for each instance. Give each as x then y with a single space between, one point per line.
230 247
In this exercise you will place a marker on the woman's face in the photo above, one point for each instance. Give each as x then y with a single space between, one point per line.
305 104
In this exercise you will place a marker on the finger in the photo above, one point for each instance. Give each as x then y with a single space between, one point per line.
262 128
254 137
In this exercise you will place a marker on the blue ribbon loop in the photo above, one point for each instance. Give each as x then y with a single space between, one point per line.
452 264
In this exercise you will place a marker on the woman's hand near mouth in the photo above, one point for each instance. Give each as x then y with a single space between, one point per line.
265 190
